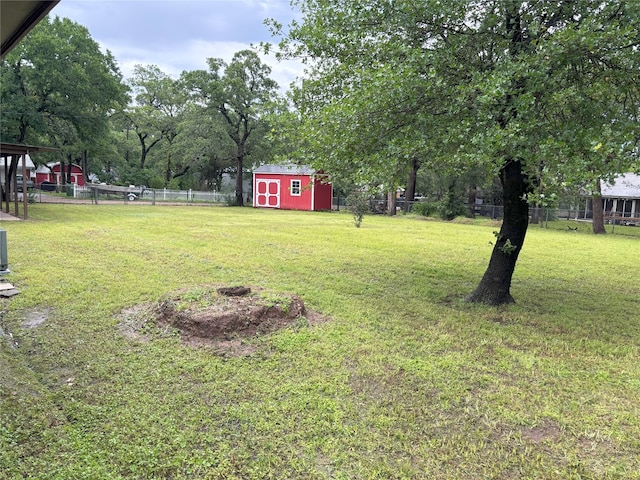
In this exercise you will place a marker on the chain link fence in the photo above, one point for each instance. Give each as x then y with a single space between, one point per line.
108 193
496 212
99 193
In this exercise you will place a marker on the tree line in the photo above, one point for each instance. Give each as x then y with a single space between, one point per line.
58 89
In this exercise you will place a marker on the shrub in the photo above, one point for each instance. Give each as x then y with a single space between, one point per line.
449 211
451 206
156 182
422 208
358 204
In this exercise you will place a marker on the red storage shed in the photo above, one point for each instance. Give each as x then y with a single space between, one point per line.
51 173
291 187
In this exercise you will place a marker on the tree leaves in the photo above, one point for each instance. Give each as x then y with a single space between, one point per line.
538 80
58 87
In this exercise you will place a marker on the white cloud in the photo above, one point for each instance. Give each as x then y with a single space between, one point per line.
193 56
181 35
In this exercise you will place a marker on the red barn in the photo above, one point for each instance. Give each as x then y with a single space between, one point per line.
51 173
291 187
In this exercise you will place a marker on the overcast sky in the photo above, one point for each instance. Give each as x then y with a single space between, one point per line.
179 35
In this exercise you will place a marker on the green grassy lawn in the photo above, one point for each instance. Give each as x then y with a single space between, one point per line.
405 381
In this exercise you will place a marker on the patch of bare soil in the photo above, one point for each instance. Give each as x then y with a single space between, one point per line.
225 318
35 318
547 431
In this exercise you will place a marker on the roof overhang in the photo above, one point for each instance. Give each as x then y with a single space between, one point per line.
10 149
17 18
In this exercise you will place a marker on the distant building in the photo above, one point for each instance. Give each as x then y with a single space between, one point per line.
28 163
620 200
291 187
50 173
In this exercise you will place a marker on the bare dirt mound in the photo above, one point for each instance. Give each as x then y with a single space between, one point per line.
225 318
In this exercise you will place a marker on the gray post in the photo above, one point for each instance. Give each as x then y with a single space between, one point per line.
4 259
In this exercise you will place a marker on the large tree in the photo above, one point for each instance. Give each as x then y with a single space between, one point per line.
240 92
203 149
506 85
160 101
58 87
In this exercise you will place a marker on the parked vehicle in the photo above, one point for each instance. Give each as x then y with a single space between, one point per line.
47 187
19 183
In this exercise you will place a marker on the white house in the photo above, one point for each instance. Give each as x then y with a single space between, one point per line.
31 168
622 197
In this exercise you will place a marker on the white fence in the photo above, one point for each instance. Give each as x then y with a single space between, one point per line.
189 196
148 194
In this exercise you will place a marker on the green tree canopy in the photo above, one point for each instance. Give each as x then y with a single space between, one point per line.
57 87
509 86
241 93
157 110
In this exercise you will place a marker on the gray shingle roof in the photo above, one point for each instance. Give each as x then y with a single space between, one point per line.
625 186
286 169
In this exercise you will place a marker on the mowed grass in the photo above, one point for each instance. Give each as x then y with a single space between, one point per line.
405 381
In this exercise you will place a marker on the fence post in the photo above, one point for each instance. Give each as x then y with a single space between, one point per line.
546 220
613 222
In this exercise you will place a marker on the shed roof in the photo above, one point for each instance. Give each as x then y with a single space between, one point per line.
624 186
286 169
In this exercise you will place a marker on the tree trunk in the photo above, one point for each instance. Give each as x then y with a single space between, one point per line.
85 166
167 173
143 157
69 170
62 173
535 213
598 210
391 202
471 200
239 196
410 192
494 288
23 131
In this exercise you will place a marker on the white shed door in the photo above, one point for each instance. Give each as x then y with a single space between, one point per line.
268 193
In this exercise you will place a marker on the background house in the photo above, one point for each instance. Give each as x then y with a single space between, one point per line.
51 173
8 161
622 198
291 187
13 170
